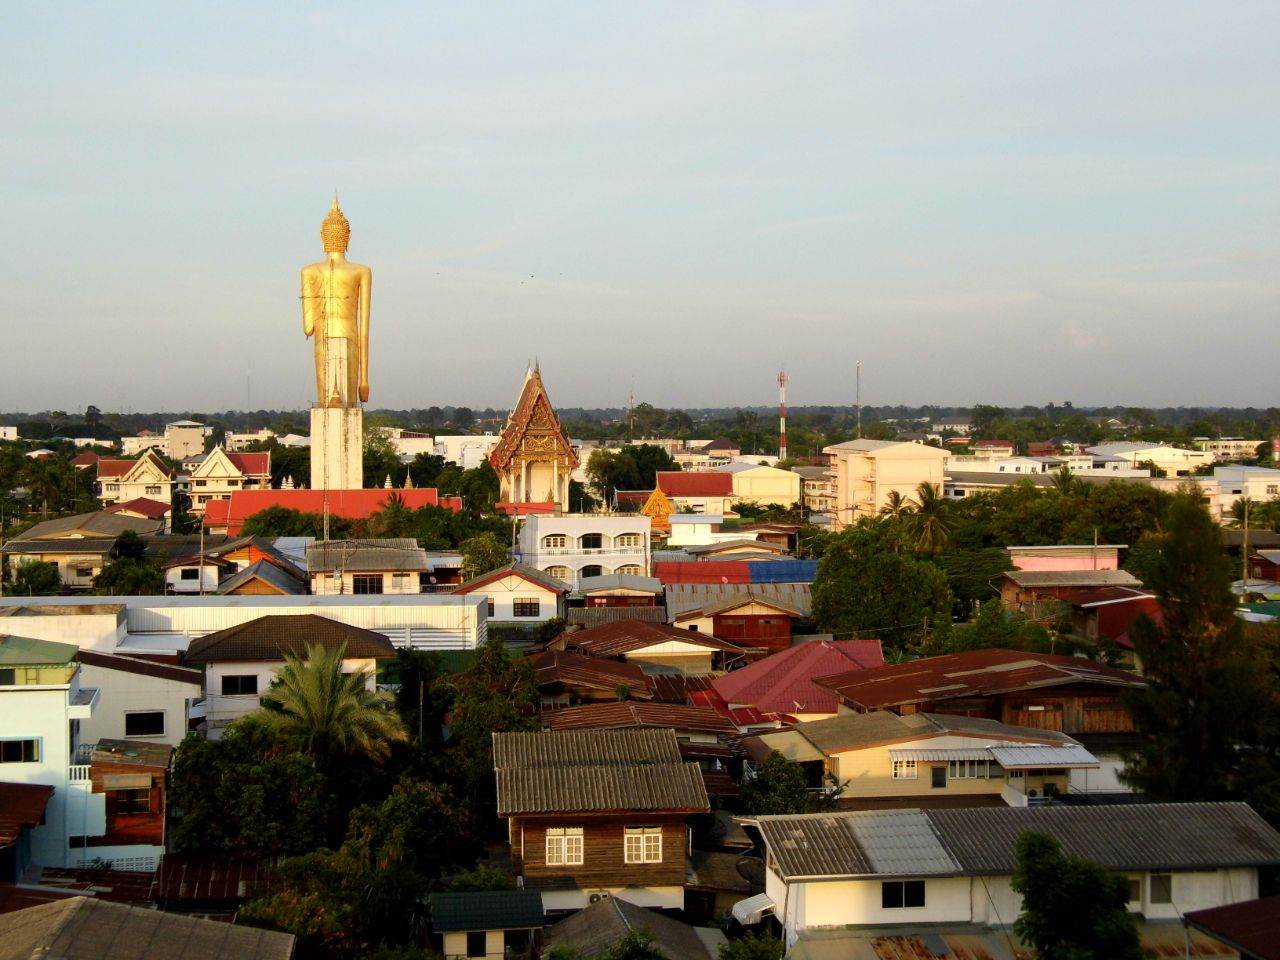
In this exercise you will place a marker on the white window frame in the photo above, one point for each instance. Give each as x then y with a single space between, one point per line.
555 541
564 847
632 540
968 769
905 770
642 845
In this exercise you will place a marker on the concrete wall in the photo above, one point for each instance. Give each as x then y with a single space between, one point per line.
223 709
122 692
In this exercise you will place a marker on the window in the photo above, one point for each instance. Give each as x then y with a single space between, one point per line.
630 570
132 801
1273 489
560 573
8 677
240 685
526 606
1161 888
555 541
938 777
401 582
967 769
591 541
642 845
84 572
488 607
189 573
627 540
1135 889
366 583
901 893
145 723
591 570
113 488
564 846
153 490
476 945
904 769
19 751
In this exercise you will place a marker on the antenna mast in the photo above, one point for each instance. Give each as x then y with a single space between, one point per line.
782 414
858 396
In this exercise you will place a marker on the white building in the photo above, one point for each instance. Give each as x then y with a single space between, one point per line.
8 433
241 661
139 701
395 565
467 451
162 628
1227 449
184 438
702 529
914 868
575 545
518 594
236 442
221 474
134 446
1174 461
147 478
409 443
42 703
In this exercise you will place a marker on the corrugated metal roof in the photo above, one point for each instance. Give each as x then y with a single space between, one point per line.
275 637
400 553
924 753
584 770
901 842
783 682
487 910
1031 756
1073 578
625 636
685 597
633 715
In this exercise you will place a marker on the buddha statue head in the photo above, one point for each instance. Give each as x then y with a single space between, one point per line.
335 232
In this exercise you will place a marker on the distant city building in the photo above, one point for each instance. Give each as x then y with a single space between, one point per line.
868 471
146 477
570 547
236 442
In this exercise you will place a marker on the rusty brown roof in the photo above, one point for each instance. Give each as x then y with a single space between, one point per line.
274 637
625 636
553 667
630 714
595 770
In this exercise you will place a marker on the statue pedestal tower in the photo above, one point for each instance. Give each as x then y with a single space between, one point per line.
337 448
336 297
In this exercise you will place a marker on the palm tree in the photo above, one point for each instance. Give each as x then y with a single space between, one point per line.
327 712
1065 482
932 525
896 506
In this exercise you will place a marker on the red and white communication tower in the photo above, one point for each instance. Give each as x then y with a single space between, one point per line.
782 415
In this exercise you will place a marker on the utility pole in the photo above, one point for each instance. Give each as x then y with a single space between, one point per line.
782 414
1244 550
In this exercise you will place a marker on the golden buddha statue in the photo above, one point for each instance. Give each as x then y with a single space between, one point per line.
335 308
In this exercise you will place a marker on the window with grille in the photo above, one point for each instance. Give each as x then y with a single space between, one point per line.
488 607
560 573
366 583
904 769
189 573
555 541
627 540
642 845
591 541
564 846
132 801
526 607
144 723
967 769
630 569
19 751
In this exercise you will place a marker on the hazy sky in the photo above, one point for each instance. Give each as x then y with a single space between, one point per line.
984 202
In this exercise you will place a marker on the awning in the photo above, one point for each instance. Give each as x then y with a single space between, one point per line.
126 781
964 753
1032 757
752 909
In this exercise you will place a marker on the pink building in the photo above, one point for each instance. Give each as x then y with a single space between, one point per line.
1104 556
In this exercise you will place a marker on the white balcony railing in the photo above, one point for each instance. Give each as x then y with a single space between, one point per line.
586 551
78 773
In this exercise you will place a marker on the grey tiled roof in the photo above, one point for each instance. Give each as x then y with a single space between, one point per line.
604 923
399 553
683 597
99 523
981 840
264 570
594 616
487 910
583 770
1073 578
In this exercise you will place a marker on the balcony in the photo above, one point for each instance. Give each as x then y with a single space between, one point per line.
82 702
586 551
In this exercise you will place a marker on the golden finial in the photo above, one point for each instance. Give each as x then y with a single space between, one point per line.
335 232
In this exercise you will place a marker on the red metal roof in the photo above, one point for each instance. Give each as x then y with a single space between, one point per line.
783 682
21 805
702 571
347 504
630 714
87 459
111 467
976 673
1252 927
678 483
252 464
143 507
512 509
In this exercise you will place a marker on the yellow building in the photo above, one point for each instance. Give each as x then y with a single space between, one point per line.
763 485
868 471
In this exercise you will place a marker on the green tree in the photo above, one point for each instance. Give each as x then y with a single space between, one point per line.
242 794
482 553
380 459
328 713
128 546
764 946
127 576
896 506
1072 909
778 787
36 578
993 627
864 585
479 488
286 522
931 520
483 879
424 468
1206 699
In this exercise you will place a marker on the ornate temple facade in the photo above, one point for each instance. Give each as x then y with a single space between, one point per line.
534 457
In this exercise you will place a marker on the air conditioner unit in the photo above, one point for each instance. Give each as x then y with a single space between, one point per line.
598 896
1033 793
